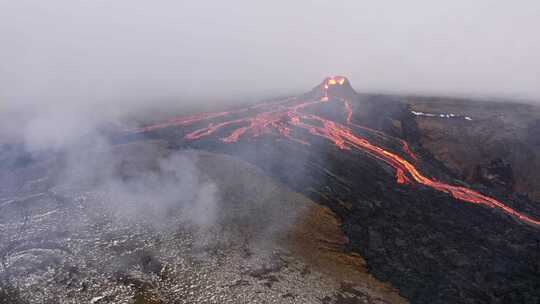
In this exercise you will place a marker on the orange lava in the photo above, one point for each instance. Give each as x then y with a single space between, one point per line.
286 116
404 144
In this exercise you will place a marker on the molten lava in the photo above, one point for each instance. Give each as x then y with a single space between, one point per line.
285 117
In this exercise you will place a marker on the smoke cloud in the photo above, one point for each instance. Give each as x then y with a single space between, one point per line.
143 184
75 63
69 66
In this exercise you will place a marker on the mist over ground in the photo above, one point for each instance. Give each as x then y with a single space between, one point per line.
65 65
75 72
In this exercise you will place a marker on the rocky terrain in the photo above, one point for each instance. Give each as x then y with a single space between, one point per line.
326 197
70 240
497 131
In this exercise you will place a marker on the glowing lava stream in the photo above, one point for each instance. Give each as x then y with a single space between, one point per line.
282 117
405 145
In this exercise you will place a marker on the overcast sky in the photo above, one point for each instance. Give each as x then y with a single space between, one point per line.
96 52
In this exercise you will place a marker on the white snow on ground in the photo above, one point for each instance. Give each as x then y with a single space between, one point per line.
450 115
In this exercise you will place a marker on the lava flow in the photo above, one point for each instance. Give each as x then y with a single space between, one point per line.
285 118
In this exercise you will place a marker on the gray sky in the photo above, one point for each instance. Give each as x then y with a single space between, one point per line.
116 52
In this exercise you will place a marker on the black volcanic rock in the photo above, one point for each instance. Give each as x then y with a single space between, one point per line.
496 174
505 130
85 250
432 247
336 87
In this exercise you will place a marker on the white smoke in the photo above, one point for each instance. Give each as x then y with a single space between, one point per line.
142 182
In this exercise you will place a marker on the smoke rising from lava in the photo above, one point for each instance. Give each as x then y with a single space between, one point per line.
66 75
285 118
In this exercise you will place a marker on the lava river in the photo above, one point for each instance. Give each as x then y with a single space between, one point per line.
288 116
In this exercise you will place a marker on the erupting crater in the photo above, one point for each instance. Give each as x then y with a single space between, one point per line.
336 86
297 119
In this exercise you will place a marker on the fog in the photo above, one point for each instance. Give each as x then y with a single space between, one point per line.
97 59
71 68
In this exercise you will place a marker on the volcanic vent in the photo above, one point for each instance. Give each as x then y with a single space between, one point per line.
324 113
434 237
335 87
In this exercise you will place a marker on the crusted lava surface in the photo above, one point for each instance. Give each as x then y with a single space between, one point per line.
435 237
495 131
247 239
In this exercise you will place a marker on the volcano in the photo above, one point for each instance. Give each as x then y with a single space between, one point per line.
315 113
417 224
330 196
